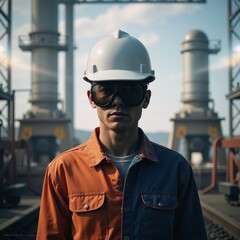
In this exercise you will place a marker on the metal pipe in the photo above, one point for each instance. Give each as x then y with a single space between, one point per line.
44 44
69 67
9 52
216 144
230 70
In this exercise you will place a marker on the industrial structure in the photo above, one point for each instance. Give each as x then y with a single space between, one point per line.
234 73
196 124
48 126
44 43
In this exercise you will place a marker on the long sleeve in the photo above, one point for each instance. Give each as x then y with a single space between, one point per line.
189 222
54 215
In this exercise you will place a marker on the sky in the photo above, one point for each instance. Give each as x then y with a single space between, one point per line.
161 27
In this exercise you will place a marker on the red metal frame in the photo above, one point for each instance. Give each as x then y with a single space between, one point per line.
10 146
233 164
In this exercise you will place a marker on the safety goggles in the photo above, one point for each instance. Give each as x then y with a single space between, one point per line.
104 93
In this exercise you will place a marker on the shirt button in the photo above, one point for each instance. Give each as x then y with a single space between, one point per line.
126 209
126 238
119 187
86 206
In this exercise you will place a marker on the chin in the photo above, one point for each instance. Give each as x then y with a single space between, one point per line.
121 127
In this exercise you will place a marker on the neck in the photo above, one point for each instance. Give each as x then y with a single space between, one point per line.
119 144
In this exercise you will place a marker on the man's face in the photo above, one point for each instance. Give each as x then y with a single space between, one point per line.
119 104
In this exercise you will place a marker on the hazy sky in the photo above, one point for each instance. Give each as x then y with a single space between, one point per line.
161 27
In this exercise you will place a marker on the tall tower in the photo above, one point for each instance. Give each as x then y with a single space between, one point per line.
197 124
44 125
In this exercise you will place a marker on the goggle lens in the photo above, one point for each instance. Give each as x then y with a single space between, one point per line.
132 94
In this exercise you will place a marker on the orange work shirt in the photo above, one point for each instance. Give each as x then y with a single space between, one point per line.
77 183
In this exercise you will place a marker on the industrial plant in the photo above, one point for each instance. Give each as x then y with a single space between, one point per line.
47 127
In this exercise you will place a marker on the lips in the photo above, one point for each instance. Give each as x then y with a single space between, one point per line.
118 114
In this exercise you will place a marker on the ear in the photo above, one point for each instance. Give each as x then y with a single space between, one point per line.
90 99
146 100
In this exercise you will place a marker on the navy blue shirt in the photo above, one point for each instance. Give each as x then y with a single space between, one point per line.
160 200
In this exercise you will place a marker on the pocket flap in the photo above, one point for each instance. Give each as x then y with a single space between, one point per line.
85 202
160 200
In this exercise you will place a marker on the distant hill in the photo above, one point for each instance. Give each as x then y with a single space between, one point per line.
157 137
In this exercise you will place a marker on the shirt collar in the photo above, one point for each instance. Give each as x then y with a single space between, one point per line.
97 155
146 147
94 149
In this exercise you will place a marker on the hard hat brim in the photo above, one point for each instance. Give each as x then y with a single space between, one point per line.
120 75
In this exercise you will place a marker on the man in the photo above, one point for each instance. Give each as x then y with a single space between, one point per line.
120 185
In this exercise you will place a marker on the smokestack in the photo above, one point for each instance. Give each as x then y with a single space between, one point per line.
45 125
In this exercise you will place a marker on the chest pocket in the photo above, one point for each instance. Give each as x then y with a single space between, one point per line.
157 215
86 202
160 201
88 215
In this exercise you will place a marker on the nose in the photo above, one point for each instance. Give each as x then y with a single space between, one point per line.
118 101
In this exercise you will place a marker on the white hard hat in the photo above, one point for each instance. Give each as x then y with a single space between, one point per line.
119 57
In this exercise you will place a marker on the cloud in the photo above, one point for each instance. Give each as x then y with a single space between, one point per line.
144 14
20 59
149 38
135 14
21 11
21 8
225 62
91 27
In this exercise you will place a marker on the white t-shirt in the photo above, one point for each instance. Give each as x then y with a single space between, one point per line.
122 163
